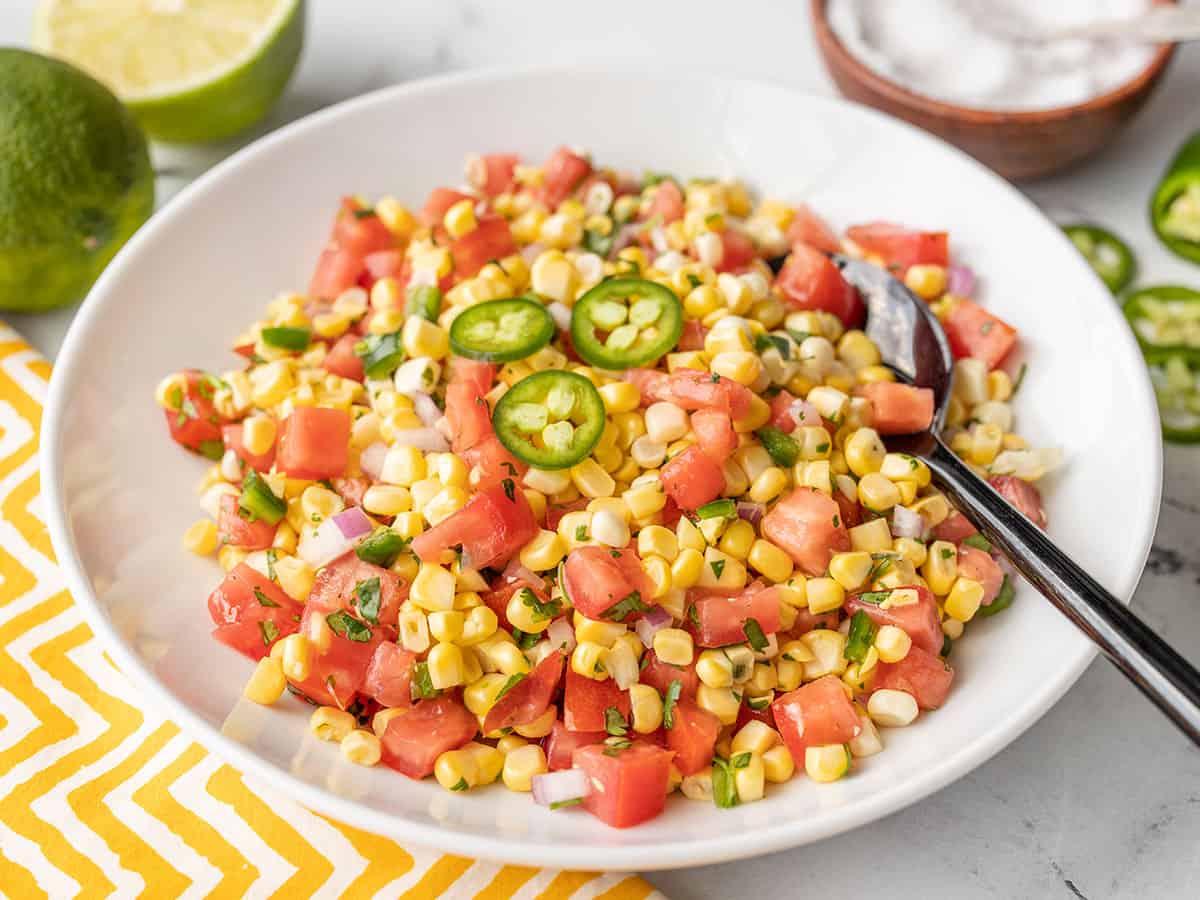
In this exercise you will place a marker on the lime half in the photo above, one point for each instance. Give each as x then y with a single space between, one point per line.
190 70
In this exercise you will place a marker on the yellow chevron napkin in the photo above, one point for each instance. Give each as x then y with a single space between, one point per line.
100 797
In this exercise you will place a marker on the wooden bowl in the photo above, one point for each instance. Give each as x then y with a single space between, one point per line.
1019 145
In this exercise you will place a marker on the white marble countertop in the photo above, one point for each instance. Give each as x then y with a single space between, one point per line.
1101 798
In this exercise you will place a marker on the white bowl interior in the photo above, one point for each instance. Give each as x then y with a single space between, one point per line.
120 493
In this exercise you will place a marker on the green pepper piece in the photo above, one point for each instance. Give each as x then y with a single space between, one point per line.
1176 380
425 300
573 423
1175 206
860 638
782 447
1166 320
501 330
286 337
258 501
381 354
717 509
381 548
1106 253
651 326
1002 601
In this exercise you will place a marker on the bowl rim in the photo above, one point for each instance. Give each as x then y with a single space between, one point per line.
722 847
831 45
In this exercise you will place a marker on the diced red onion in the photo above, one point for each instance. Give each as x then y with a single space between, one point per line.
372 457
654 620
429 440
907 524
563 786
427 411
751 512
515 571
353 522
805 414
561 314
530 252
960 280
562 634
324 544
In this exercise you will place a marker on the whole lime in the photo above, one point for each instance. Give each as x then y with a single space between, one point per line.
75 181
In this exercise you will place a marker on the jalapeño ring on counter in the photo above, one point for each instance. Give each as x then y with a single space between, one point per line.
551 419
501 330
642 320
1107 254
1165 319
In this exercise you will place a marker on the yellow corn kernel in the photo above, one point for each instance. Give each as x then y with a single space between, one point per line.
446 625
754 737
387 500
999 386
934 509
768 485
877 493
267 682
591 479
964 599
778 765
874 536
362 748
501 654
926 281
741 366
892 643
658 570
757 414
769 560
941 567
295 656
827 763
620 397
408 525
689 536
456 770
864 451
201 537
788 673
539 727
460 219
489 762
738 539
857 350
445 666
749 780
433 588
986 441
655 540
444 504
395 216
511 742
554 277
258 434
522 611
544 551
714 668
851 569
605 634
521 765
328 723
421 337
687 568
480 695
587 659
720 570
270 383
824 595
414 631
403 466
673 646
646 708
720 701
912 550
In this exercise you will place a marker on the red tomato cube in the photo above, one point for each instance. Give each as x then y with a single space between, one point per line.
195 423
692 736
628 786
692 478
413 742
810 281
815 714
1023 495
389 676
597 578
528 698
898 408
901 247
237 531
314 443
920 620
659 676
973 331
251 612
259 462
560 745
809 527
490 529
336 585
722 618
341 360
585 700
924 675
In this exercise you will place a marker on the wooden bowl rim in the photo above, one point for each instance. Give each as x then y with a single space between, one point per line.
893 91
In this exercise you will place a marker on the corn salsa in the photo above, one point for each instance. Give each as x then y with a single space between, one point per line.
579 482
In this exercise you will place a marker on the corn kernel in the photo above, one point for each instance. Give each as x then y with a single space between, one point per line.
941 567
720 701
646 708
778 765
539 727
892 643
877 493
266 684
826 763
769 560
926 281
328 723
433 588
891 708
201 537
421 337
362 748
720 570
714 668
755 737
587 659
673 646
521 765
874 536
851 569
456 770
591 479
687 568
964 599
737 540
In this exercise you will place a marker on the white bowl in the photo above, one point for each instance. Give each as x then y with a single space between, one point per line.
120 494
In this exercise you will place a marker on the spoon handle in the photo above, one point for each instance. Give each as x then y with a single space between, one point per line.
1145 658
1160 24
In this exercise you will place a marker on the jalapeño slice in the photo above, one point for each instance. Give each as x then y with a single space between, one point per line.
1106 253
626 322
1165 319
501 330
551 419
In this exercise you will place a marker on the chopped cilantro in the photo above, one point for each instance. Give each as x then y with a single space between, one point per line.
510 489
513 681
540 610
717 566
347 626
754 634
614 722
669 701
561 804
269 631
263 599
460 785
623 608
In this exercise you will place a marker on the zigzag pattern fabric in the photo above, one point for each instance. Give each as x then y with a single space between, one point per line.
101 798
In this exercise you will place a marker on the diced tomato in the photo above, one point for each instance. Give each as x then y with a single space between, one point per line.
659 676
492 463
585 700
745 714
467 414
555 513
920 620
359 231
389 676
808 526
976 564
490 239
692 478
195 423
806 621
528 698
597 578
975 332
338 674
314 443
560 745
383 264
714 433
564 171
694 389
651 384
737 251
337 270
667 205
810 280
954 528
850 509
899 408
723 618
240 532
413 742
259 462
815 714
503 587
335 585
629 787
901 247
924 675
693 336
251 612
440 200
341 360
351 490
809 228
481 376
1023 495
490 529
781 412
493 173
692 735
